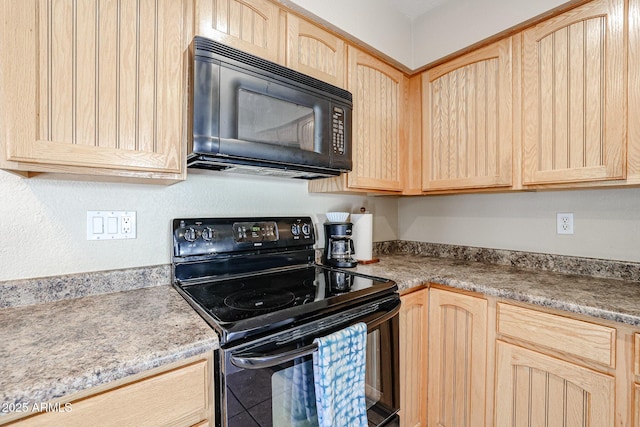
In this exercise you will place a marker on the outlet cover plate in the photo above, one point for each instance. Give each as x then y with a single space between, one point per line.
564 223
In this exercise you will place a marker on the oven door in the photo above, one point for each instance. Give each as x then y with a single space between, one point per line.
270 382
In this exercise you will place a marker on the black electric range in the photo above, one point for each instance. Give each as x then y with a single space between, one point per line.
248 277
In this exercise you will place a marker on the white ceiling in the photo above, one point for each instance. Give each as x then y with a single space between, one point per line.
415 8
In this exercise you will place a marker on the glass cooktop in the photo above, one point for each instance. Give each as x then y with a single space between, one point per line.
247 305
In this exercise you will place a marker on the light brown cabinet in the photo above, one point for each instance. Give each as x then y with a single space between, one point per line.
559 377
467 121
378 130
535 389
413 358
253 26
498 363
313 51
94 88
574 96
379 95
457 359
178 395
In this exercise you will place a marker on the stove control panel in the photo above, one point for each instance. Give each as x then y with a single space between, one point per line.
212 236
255 232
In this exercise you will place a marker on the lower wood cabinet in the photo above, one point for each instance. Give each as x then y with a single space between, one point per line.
535 389
457 359
178 395
413 358
473 360
636 405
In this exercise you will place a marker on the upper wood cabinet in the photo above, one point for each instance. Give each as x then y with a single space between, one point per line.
574 96
457 359
633 143
249 25
94 88
315 52
467 120
413 358
379 97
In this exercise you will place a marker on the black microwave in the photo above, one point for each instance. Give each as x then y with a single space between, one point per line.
254 116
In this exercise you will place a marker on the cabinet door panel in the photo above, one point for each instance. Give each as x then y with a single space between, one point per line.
315 52
379 93
457 359
95 84
468 120
574 96
534 389
249 25
413 359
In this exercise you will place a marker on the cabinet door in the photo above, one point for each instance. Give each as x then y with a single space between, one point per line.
574 90
636 405
315 52
413 359
535 389
94 84
249 25
379 95
457 359
468 120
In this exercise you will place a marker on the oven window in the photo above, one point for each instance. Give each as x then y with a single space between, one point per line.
293 396
262 118
284 395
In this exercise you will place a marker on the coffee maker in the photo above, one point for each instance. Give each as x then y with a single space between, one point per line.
338 248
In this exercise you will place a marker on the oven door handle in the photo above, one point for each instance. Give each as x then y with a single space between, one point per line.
268 360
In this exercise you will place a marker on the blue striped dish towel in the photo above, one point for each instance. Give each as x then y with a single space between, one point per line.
339 374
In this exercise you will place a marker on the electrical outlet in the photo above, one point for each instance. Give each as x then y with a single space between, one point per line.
564 223
126 225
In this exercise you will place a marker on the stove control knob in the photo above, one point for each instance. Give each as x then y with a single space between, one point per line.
306 229
295 229
208 233
190 234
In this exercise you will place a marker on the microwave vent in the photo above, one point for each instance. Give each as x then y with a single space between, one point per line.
212 49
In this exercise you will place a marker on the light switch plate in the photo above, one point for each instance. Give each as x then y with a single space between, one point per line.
111 225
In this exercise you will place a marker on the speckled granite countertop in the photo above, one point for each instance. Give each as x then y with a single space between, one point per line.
57 348
65 334
605 298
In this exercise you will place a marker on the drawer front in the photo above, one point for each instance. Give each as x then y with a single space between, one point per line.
582 339
175 398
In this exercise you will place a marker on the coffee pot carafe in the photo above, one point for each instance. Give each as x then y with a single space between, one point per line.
338 249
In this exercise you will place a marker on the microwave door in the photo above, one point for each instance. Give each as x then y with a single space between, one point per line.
271 121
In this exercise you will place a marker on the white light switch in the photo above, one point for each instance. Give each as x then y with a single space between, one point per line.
111 225
98 225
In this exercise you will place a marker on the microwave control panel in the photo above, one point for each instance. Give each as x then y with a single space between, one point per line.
338 130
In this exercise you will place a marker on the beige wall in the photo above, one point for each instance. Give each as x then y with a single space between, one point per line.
447 28
43 222
607 222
